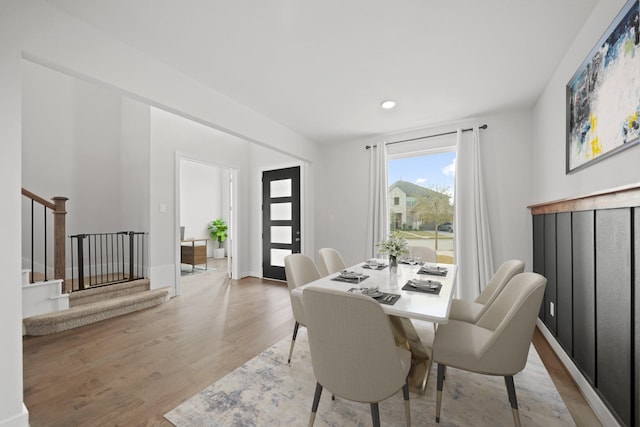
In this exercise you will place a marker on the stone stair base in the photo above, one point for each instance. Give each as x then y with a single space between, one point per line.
91 312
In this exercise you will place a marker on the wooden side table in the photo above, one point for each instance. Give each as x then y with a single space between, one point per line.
192 253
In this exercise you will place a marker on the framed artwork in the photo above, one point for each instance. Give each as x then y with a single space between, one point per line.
603 96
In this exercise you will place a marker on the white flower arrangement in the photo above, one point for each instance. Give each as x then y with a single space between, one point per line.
395 245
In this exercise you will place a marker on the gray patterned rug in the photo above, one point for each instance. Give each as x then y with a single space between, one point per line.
266 391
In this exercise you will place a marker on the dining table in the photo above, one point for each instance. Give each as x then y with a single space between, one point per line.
406 292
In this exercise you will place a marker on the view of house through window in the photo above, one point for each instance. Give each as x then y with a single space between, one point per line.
421 200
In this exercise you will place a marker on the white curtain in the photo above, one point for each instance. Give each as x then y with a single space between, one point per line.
472 237
378 209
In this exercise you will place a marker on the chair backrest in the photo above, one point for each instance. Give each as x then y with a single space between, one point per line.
353 351
511 319
426 253
330 261
299 270
505 272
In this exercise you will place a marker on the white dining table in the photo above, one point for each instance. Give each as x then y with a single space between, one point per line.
411 305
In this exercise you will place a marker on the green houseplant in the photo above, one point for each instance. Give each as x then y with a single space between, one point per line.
218 232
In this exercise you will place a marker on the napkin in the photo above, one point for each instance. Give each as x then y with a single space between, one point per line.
379 267
425 286
341 278
434 271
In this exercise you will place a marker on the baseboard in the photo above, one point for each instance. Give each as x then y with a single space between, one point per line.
592 398
18 420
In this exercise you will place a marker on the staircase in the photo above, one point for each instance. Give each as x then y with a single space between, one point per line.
96 304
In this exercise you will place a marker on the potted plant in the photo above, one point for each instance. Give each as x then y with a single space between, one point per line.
218 232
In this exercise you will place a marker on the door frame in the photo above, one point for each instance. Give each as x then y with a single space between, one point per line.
303 202
233 216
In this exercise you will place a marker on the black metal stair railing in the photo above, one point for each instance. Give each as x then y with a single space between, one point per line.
106 258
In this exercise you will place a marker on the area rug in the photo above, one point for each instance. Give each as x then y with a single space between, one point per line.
266 391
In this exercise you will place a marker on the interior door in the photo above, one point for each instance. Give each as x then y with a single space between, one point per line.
280 219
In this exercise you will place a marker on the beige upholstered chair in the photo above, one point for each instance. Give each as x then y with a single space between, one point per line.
299 270
427 254
353 352
470 311
330 261
498 343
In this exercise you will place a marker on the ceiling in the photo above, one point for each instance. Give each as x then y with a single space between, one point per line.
321 68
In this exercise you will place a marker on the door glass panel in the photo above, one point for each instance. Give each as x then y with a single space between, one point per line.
277 256
281 234
280 188
281 211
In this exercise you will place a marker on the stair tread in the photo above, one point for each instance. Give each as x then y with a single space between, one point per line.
94 307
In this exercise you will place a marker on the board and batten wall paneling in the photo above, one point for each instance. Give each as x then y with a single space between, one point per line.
613 309
636 298
584 293
603 271
550 299
564 289
538 251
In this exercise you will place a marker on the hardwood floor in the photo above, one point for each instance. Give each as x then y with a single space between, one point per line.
131 370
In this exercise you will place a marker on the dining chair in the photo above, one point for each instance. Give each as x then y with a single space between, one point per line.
299 270
498 343
330 261
353 351
470 311
427 254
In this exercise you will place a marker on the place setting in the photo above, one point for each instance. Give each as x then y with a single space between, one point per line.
350 276
433 270
375 293
427 286
373 264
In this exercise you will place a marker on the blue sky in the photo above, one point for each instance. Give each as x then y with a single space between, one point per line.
427 171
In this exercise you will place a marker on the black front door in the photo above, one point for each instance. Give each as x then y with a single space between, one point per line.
280 219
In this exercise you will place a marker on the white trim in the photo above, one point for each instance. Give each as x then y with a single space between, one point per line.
18 420
592 398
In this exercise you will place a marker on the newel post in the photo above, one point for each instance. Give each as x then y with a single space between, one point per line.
59 232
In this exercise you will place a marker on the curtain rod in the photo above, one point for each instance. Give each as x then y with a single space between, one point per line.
428 136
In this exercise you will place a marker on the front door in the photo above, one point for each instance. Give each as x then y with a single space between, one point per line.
280 219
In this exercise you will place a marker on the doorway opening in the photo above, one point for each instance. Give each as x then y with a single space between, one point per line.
205 195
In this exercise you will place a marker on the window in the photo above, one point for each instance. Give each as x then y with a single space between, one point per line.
425 183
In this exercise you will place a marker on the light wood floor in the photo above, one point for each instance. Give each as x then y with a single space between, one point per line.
131 370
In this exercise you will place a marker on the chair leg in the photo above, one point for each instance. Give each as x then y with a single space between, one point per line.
441 369
293 340
511 390
314 407
375 414
407 406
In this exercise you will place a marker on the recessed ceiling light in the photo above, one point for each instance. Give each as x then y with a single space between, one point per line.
388 105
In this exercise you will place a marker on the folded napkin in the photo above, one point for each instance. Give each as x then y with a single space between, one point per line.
434 271
381 297
350 279
425 286
380 267
409 261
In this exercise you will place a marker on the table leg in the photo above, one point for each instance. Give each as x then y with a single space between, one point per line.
421 356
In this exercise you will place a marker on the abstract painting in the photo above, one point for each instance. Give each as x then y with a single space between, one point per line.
603 96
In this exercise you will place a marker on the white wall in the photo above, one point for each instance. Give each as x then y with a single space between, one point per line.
550 181
201 199
89 144
134 163
35 30
506 151
263 159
